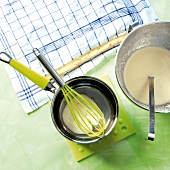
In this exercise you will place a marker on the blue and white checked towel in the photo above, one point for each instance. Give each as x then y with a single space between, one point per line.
62 30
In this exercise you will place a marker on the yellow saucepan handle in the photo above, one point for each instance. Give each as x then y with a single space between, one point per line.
30 74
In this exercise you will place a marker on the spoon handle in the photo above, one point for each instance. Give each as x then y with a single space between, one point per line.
151 134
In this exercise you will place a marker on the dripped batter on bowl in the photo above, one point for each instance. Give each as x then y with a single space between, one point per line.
153 62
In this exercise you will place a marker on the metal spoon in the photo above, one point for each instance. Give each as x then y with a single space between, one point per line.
151 134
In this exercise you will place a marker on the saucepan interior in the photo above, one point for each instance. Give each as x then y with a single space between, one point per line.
100 93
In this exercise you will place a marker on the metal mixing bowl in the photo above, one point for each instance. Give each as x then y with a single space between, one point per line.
155 34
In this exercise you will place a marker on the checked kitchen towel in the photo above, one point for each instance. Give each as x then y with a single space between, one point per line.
62 30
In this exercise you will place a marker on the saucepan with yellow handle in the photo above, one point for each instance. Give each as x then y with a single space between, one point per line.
95 89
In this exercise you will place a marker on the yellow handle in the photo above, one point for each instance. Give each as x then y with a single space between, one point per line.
30 74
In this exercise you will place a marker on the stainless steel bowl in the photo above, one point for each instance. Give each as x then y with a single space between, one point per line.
100 93
155 34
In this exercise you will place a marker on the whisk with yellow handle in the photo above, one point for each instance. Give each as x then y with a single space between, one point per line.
86 114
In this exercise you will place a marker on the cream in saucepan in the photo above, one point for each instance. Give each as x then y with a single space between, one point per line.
70 122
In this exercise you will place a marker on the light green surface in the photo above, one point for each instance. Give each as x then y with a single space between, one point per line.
161 8
32 142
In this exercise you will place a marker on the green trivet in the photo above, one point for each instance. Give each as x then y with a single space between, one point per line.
122 130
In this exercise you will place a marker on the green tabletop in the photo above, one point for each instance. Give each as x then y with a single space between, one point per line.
32 142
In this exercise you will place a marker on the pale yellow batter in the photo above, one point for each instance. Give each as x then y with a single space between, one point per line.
70 122
149 61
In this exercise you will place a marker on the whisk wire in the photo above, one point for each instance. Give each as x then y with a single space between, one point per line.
71 106
76 112
73 100
88 103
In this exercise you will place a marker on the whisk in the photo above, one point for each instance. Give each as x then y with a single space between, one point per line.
87 115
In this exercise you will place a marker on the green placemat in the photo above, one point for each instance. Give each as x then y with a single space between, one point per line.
122 130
